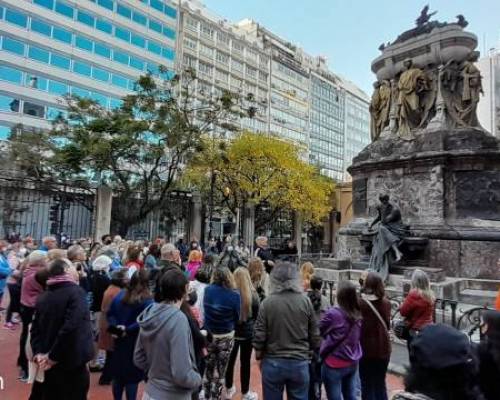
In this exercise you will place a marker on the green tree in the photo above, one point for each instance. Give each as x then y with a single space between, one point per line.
138 149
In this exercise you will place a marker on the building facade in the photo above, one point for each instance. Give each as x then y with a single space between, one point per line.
89 48
489 106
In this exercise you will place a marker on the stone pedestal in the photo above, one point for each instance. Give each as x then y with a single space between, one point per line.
104 199
447 185
196 214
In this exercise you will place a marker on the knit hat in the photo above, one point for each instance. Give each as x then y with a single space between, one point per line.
102 263
439 346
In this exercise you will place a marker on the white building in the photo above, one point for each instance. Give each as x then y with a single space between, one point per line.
489 106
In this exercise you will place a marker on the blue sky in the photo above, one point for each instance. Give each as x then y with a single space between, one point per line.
348 33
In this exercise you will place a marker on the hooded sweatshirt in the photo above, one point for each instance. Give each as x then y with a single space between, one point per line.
165 350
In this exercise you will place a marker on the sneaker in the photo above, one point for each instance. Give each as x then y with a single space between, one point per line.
9 325
250 396
23 377
230 393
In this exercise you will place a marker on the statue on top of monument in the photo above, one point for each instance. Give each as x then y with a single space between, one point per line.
471 90
413 85
424 16
379 107
390 233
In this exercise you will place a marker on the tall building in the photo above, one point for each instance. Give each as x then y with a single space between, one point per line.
489 105
89 48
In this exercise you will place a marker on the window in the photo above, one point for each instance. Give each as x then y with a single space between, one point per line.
189 61
119 80
102 50
223 38
45 3
9 103
59 61
124 11
40 27
35 110
223 58
82 68
138 41
168 32
191 23
222 76
157 5
62 35
14 46
155 26
237 46
85 18
4 131
16 18
120 57
136 63
167 53
37 54
154 47
206 51
104 26
83 43
205 69
115 103
106 4
139 18
122 34
36 82
64 9
100 74
207 31
263 76
101 99
252 55
11 74
79 92
171 12
237 65
55 113
58 88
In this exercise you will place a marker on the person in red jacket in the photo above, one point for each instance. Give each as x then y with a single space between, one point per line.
418 307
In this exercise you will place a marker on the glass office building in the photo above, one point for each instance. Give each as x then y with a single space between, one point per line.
89 48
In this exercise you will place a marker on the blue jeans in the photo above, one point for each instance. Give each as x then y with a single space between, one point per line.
340 383
279 374
130 390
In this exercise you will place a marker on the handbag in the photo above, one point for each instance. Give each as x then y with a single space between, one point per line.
389 333
401 329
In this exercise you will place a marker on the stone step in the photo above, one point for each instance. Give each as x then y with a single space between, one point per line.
478 297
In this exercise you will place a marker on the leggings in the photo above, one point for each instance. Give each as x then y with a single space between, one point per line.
15 300
26 318
219 351
245 356
129 388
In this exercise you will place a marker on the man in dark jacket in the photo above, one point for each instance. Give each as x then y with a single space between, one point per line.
170 259
61 335
285 335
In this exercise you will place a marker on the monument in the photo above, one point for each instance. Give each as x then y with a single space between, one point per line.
430 155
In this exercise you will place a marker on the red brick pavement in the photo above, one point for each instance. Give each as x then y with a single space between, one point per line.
15 390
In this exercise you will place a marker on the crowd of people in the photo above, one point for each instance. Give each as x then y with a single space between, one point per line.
179 317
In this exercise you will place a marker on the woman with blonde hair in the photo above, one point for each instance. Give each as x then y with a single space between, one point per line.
243 335
221 303
418 307
194 263
259 277
306 273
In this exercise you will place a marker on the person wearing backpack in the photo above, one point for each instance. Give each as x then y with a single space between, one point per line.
375 339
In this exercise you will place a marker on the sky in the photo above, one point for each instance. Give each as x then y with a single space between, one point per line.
349 32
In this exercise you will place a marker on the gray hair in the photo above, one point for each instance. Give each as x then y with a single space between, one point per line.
37 257
421 283
167 250
285 277
73 251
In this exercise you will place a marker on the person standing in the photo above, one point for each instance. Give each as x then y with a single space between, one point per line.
221 303
48 243
418 307
15 259
122 320
61 335
165 346
243 335
306 273
340 350
285 335
264 252
5 269
194 263
488 355
375 339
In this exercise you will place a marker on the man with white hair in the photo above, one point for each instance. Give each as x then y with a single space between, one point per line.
48 243
170 259
76 254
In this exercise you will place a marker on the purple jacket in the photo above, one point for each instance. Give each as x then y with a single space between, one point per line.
333 327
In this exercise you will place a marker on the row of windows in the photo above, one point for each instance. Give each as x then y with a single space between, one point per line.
225 40
288 133
53 86
140 18
12 104
59 61
290 89
285 118
105 26
80 42
288 73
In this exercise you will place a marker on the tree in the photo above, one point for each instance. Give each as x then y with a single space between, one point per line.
138 149
255 169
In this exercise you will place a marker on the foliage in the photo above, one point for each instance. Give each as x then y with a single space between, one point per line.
138 149
255 169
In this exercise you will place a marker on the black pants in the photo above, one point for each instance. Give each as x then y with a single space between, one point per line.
372 372
61 384
15 300
26 318
245 359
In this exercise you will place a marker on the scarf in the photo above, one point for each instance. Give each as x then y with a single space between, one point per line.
66 277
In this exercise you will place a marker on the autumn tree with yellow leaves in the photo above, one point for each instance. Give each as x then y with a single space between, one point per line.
255 169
